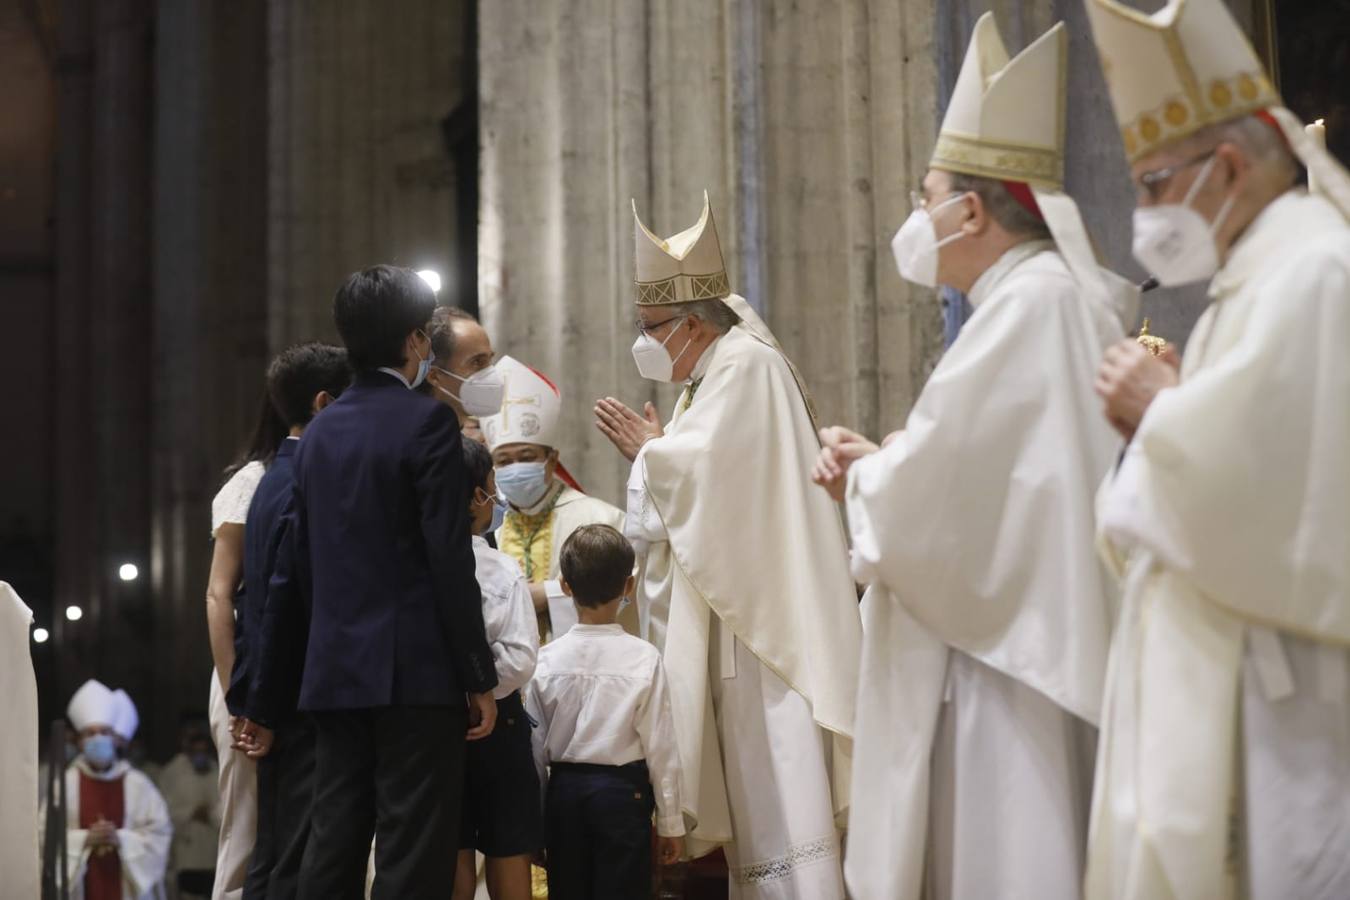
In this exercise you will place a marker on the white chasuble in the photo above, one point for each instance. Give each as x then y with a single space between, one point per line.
1227 712
746 590
20 861
974 527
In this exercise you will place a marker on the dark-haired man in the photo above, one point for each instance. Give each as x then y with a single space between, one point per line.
376 544
463 374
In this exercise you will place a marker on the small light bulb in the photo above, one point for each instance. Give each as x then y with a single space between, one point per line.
74 613
432 278
128 572
40 635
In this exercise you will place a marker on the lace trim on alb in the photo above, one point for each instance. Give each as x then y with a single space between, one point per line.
797 856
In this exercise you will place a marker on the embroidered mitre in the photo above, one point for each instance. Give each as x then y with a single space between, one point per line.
679 269
1006 115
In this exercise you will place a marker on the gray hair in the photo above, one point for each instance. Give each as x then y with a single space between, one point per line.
1014 218
1263 145
714 312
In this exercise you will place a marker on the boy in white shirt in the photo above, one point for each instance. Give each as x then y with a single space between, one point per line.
605 744
501 817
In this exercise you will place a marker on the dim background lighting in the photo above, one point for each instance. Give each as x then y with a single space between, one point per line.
74 613
40 635
431 277
128 572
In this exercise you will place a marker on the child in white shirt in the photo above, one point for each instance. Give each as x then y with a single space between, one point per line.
605 744
500 807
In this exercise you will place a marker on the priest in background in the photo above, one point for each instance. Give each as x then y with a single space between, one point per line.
117 846
745 584
1225 761
545 503
988 617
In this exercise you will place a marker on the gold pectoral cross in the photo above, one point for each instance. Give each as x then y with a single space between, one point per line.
1151 342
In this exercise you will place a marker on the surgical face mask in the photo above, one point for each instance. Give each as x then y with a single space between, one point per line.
498 513
653 362
423 367
100 750
200 762
523 484
481 393
1174 242
916 245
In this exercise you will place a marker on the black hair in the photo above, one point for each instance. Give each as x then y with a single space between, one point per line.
268 432
300 372
477 464
596 561
443 331
376 309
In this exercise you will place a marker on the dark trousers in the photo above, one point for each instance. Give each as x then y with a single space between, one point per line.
394 773
599 820
285 804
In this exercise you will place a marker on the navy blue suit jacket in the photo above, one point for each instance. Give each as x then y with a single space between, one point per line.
375 544
260 533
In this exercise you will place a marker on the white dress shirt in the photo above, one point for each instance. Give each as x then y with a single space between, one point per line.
508 617
600 697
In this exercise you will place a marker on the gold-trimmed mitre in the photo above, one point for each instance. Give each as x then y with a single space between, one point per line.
1006 116
1171 73
679 269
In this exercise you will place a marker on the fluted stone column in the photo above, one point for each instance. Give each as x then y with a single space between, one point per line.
357 167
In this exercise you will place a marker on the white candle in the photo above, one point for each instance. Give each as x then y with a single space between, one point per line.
1318 132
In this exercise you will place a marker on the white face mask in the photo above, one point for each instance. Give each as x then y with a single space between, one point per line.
653 362
1174 242
916 245
481 393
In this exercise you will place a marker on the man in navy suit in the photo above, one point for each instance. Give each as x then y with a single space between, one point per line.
375 543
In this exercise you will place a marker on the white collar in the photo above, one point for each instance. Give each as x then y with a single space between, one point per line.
397 374
1289 219
704 361
578 628
112 773
1011 259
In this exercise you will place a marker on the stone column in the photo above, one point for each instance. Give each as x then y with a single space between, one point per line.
210 313
357 168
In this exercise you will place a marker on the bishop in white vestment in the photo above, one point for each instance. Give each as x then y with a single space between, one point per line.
119 831
544 503
988 617
1225 748
745 585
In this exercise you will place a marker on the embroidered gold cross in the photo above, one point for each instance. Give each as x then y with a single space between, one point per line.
509 401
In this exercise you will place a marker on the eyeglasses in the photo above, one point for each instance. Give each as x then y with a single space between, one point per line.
1152 184
648 328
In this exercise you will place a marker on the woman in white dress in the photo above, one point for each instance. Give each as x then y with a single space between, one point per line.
238 773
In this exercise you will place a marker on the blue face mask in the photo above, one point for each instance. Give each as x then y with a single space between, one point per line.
498 514
100 750
522 484
423 367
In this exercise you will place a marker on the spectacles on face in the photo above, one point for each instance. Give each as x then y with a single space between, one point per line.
648 328
1150 186
918 201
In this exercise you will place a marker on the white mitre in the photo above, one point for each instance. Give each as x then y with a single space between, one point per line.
531 405
1006 121
1006 115
125 718
1187 66
683 268
92 704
